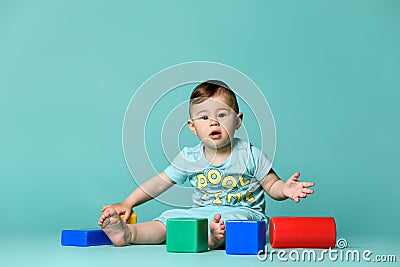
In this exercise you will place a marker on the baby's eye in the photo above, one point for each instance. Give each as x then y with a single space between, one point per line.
204 117
222 115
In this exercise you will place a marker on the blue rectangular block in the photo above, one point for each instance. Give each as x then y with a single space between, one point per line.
245 237
84 238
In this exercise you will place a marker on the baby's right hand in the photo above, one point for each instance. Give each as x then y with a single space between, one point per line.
120 208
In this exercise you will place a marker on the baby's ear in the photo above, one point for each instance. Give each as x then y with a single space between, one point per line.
191 127
239 119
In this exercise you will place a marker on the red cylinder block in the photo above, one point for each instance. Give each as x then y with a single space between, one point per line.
302 232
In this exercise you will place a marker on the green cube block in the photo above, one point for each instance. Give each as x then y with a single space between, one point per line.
187 235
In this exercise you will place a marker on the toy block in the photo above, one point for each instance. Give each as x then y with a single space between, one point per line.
302 232
187 235
245 237
131 220
84 238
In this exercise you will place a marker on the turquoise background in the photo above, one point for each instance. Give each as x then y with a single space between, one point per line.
68 69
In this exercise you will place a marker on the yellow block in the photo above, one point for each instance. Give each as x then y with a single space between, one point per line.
132 218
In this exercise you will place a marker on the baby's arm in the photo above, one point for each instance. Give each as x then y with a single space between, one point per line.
146 191
292 188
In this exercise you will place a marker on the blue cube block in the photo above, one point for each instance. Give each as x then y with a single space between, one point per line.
84 238
245 237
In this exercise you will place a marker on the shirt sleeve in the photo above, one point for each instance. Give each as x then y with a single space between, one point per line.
262 163
177 170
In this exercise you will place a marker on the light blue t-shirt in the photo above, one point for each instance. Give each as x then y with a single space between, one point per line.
236 182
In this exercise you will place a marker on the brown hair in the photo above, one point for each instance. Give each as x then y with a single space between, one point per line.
212 88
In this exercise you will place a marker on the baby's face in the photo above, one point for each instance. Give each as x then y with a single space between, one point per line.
214 122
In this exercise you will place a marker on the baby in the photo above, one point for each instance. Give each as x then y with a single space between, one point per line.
229 176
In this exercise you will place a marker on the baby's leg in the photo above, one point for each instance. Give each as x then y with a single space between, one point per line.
216 239
122 234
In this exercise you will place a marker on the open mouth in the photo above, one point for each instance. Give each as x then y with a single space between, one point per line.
215 134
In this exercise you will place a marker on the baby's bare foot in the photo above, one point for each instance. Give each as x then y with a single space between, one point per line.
216 238
115 228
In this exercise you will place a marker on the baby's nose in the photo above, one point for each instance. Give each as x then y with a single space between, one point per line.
213 122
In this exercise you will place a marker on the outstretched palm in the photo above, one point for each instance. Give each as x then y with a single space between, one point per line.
295 190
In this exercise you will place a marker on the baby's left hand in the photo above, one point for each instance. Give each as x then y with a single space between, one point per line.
295 190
